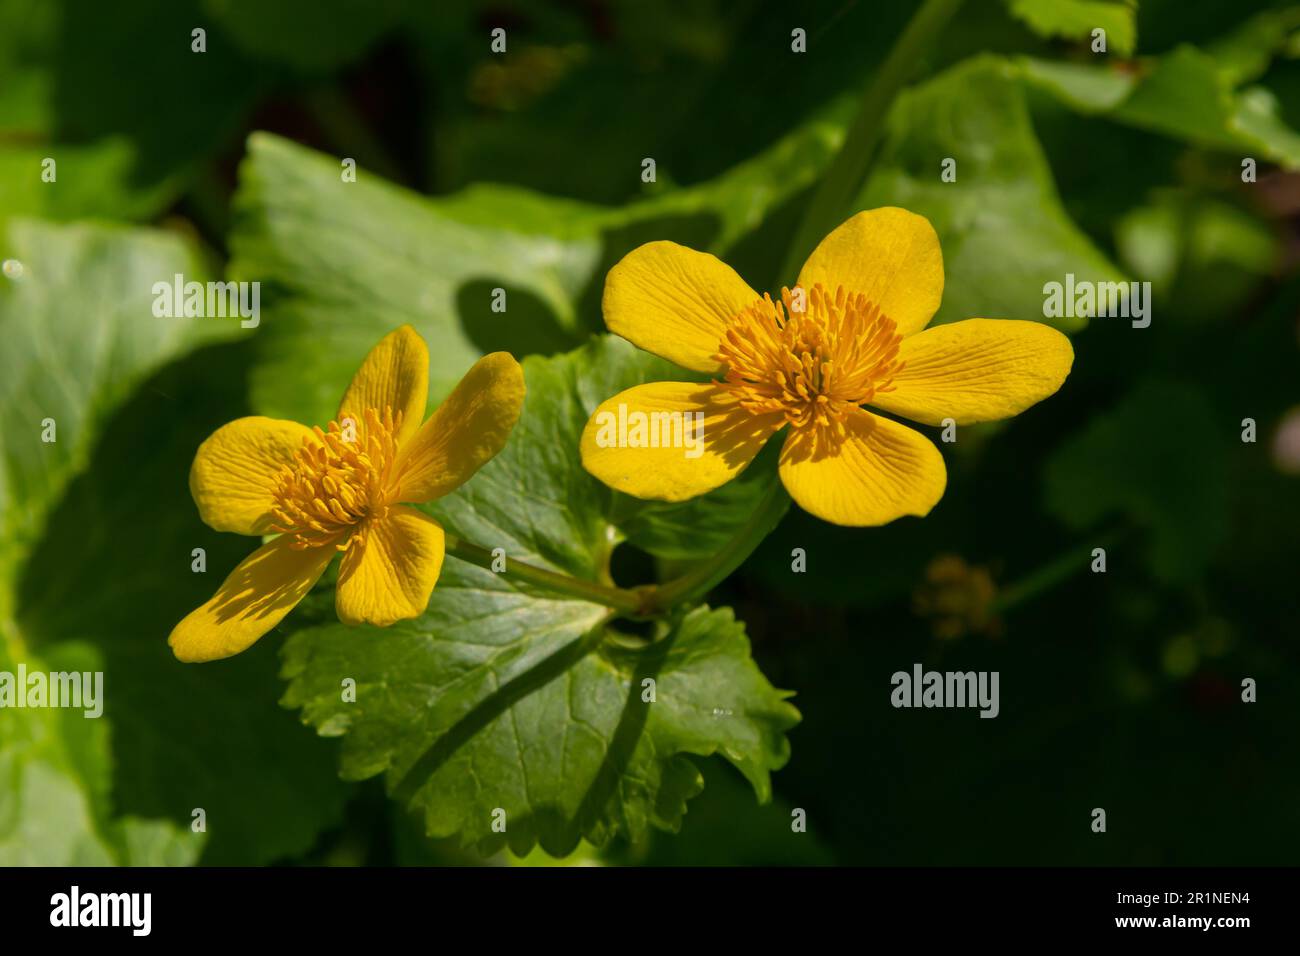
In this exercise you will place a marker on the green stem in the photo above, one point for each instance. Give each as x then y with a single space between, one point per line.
702 578
649 600
1049 575
849 169
622 599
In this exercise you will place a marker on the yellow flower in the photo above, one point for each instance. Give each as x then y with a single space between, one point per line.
849 335
344 490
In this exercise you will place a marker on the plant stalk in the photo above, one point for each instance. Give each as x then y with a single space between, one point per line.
702 578
650 600
848 170
619 598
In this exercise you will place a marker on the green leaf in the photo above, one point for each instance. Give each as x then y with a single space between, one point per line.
1076 19
1203 255
1001 224
503 698
55 806
1083 87
1245 53
1186 94
98 529
114 159
268 788
176 106
345 262
695 529
94 180
79 335
27 31
725 828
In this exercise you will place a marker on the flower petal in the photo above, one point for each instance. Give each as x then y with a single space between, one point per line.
394 375
465 432
978 370
686 463
253 599
389 570
881 471
674 302
891 256
233 478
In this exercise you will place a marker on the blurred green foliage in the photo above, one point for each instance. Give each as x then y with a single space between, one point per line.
522 171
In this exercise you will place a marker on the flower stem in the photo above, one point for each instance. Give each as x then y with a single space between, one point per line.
849 169
702 578
631 601
649 600
1049 575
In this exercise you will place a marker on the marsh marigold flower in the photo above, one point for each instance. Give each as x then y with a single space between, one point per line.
345 489
851 334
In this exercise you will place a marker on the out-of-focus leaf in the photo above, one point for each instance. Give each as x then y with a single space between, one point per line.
1245 53
91 178
1205 252
1085 87
1001 224
93 181
97 550
27 28
79 335
267 788
502 704
1157 459
1184 94
344 263
174 105
1076 19
308 35
1150 244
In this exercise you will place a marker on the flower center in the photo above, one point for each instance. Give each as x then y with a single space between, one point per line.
337 479
812 365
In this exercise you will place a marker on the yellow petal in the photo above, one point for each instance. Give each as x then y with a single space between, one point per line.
255 598
466 431
233 477
389 570
891 256
881 471
394 375
616 442
674 302
978 370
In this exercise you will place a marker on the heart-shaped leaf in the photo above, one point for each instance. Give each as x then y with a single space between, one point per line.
509 716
